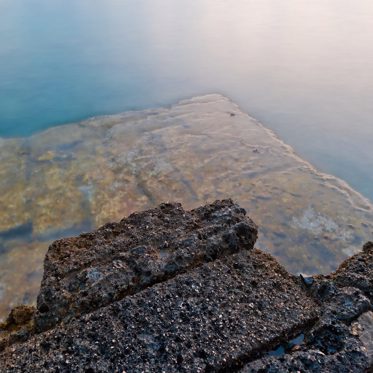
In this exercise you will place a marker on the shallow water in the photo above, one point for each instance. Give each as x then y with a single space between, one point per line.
302 67
74 178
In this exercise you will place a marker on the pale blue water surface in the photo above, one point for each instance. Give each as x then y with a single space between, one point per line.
302 67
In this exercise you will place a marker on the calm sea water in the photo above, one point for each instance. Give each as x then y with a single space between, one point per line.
302 67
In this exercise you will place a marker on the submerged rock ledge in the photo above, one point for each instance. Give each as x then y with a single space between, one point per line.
169 290
197 151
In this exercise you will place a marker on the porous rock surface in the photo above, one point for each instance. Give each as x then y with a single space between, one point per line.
342 338
168 290
93 270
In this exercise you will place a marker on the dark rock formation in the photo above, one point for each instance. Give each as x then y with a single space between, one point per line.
358 271
173 291
120 259
342 338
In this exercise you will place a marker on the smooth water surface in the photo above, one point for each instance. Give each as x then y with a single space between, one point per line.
302 67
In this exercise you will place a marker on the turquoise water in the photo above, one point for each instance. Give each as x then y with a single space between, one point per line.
302 67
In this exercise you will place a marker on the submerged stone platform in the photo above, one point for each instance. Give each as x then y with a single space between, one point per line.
73 178
169 290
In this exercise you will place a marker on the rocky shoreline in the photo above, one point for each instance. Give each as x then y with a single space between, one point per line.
169 290
74 178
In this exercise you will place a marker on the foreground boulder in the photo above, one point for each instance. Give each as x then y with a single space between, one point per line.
91 271
176 291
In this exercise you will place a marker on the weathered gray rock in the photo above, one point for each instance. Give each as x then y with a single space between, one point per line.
342 339
357 271
168 290
93 270
364 328
213 317
74 178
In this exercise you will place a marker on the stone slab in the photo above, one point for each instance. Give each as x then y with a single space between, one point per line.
213 317
119 259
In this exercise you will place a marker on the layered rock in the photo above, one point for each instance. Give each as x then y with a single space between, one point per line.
186 291
93 270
